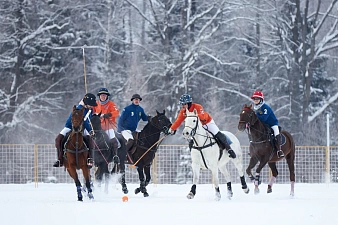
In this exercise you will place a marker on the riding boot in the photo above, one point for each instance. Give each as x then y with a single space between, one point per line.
280 153
129 146
90 143
114 143
58 143
223 140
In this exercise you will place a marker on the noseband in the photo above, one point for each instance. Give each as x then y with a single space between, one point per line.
250 121
161 126
193 130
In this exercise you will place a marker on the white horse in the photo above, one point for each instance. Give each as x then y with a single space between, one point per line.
206 154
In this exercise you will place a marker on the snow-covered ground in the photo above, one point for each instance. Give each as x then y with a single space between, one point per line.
49 204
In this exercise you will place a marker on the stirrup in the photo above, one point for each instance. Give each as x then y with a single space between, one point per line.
90 163
280 154
57 164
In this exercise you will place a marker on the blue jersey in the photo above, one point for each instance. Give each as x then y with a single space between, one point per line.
86 122
130 117
266 115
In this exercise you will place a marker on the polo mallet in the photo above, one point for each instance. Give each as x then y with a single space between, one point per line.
84 68
134 165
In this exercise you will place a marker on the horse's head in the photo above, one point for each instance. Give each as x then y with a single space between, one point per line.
161 122
96 122
247 118
191 124
77 119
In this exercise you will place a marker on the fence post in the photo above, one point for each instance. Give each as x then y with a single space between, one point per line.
327 151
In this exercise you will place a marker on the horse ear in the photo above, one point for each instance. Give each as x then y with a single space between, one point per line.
245 106
74 107
163 112
195 112
157 112
250 106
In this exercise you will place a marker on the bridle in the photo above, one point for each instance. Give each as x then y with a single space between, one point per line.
161 124
252 119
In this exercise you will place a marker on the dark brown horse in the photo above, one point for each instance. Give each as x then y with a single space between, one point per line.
262 149
77 153
146 146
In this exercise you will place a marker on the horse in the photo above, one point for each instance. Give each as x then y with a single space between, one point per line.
262 149
206 154
104 154
77 153
145 147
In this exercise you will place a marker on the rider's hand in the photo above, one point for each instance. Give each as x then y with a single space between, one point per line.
172 132
106 116
92 134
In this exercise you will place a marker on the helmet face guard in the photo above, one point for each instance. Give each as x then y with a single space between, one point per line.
185 99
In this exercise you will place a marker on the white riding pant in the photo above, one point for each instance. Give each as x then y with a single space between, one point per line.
211 127
275 130
110 133
127 134
66 130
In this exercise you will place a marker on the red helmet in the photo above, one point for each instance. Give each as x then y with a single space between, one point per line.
257 94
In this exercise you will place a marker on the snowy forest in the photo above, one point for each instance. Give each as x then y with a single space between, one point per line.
219 51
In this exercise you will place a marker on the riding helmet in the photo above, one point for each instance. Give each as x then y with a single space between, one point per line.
136 96
257 94
185 99
90 99
103 91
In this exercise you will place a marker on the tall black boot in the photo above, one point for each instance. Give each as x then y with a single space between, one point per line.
58 143
90 144
280 152
222 138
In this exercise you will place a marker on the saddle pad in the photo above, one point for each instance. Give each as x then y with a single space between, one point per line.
229 140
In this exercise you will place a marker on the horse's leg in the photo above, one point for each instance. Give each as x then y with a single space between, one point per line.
148 174
86 175
226 174
214 171
73 174
142 187
272 180
105 171
290 159
123 182
259 168
238 162
196 176
98 174
252 163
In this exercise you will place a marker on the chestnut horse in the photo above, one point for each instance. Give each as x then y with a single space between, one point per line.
262 149
77 153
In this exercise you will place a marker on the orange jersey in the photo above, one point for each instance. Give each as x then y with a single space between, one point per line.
204 116
109 107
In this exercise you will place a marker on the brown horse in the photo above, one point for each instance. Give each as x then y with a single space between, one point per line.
77 153
262 149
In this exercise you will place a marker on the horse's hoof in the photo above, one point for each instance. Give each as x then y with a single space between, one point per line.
80 199
91 196
217 196
137 190
125 190
292 194
256 190
190 195
145 194
230 194
246 191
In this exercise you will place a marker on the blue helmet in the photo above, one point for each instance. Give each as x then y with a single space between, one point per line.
185 99
103 91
